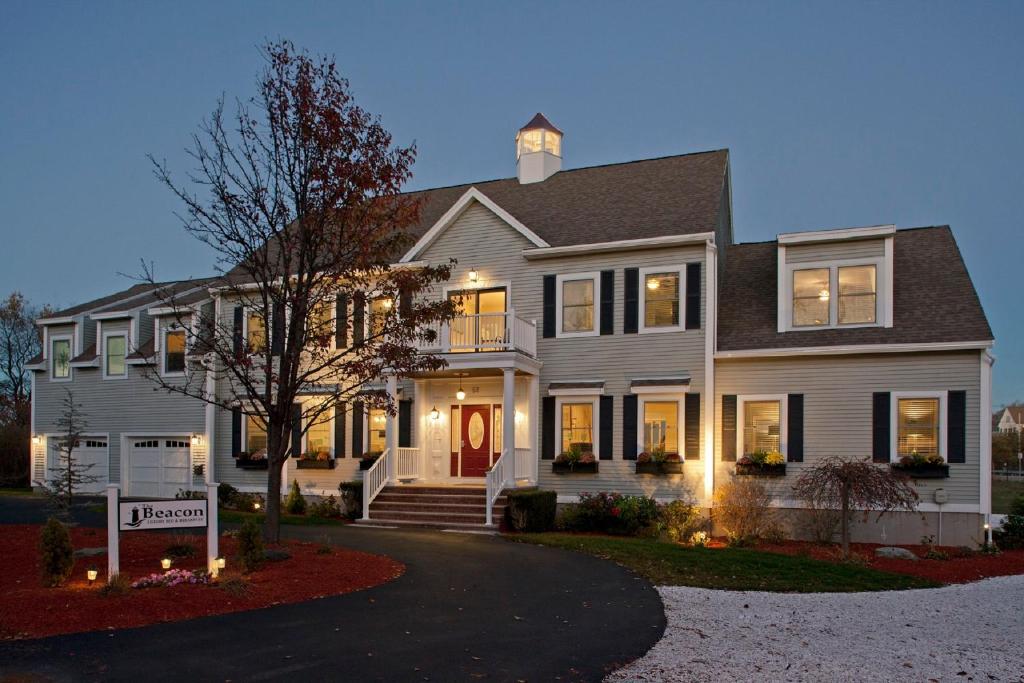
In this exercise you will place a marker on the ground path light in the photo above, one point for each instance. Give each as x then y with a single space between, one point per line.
92 573
221 562
165 563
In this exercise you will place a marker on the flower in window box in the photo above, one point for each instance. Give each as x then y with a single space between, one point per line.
241 456
643 458
562 458
261 454
673 457
745 460
774 458
587 458
935 459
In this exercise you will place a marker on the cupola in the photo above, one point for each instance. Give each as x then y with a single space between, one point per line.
538 150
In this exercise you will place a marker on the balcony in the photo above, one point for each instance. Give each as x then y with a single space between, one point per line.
485 332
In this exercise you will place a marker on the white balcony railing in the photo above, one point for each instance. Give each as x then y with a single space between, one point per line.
408 463
485 332
526 465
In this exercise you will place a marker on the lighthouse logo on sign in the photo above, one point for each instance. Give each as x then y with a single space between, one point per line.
162 514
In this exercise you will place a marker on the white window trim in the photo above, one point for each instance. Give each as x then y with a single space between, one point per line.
680 399
103 355
595 428
644 272
741 402
71 354
595 276
883 292
894 421
332 413
162 337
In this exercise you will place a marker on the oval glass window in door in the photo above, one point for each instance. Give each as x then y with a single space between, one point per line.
476 431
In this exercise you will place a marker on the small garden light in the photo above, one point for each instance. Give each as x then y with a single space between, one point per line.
165 563
255 506
221 562
92 573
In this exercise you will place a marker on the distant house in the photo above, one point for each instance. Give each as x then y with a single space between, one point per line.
1011 419
608 311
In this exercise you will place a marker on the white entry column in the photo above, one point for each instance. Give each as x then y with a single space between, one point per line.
532 428
391 429
508 424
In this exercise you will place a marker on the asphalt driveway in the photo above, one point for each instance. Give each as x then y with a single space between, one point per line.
469 607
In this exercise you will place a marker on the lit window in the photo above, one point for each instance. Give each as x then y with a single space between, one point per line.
255 435
174 351
857 294
377 420
661 426
810 297
318 435
321 324
530 141
61 355
553 143
918 428
578 305
115 352
577 426
256 333
661 299
379 309
761 427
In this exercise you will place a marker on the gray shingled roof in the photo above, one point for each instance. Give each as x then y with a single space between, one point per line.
933 298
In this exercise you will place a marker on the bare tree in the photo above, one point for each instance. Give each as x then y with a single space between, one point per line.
299 194
69 475
848 485
19 343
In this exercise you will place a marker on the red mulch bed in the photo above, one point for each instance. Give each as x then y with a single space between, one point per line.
28 610
959 568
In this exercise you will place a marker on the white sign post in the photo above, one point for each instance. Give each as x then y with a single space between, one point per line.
212 535
113 554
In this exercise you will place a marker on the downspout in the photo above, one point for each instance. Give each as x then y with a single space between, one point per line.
985 452
710 344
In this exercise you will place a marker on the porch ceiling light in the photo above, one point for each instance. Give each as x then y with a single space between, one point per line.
473 275
460 394
435 414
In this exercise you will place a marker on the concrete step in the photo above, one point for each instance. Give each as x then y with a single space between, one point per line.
431 498
442 517
417 506
406 524
437 490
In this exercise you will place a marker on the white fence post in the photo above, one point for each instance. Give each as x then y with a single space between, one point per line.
212 530
113 534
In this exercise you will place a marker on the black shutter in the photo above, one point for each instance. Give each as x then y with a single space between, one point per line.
341 322
729 428
880 426
547 445
549 306
357 429
236 428
691 426
608 303
631 301
693 296
606 408
956 432
629 404
237 331
405 423
296 430
405 303
795 428
277 330
358 318
339 429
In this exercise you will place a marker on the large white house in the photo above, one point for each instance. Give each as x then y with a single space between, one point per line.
605 309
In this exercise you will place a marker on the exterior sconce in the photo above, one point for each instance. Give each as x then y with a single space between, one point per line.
435 414
197 439
165 563
518 417
473 275
92 573
221 562
36 439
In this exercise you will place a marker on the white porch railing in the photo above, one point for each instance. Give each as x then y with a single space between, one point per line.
375 479
485 332
525 465
408 465
498 478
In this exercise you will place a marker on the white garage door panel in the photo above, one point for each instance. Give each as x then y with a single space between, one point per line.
92 452
158 466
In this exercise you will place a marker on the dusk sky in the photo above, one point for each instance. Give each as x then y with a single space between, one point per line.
835 115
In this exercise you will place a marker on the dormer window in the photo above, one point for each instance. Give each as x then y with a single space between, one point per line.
858 294
814 305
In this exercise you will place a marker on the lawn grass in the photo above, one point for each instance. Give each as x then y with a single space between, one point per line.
17 492
1004 493
666 564
236 517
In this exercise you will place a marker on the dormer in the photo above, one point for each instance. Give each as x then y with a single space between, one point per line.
538 150
835 279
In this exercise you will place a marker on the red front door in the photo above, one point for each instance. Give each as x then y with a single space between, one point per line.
476 440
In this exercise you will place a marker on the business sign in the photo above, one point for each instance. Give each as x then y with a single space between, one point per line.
142 515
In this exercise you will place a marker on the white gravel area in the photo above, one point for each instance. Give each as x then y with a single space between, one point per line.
968 632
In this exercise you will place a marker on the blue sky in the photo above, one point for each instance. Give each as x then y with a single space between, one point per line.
835 115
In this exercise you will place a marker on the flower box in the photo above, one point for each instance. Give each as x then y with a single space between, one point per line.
307 464
574 468
659 468
250 464
922 470
754 469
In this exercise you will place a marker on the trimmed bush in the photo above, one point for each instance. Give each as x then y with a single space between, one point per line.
679 520
743 507
325 508
351 498
531 510
611 513
250 545
226 495
294 503
1011 534
56 555
119 584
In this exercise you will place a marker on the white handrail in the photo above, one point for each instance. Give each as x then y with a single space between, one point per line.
497 477
375 479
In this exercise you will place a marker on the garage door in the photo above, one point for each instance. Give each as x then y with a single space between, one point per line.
158 467
89 451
